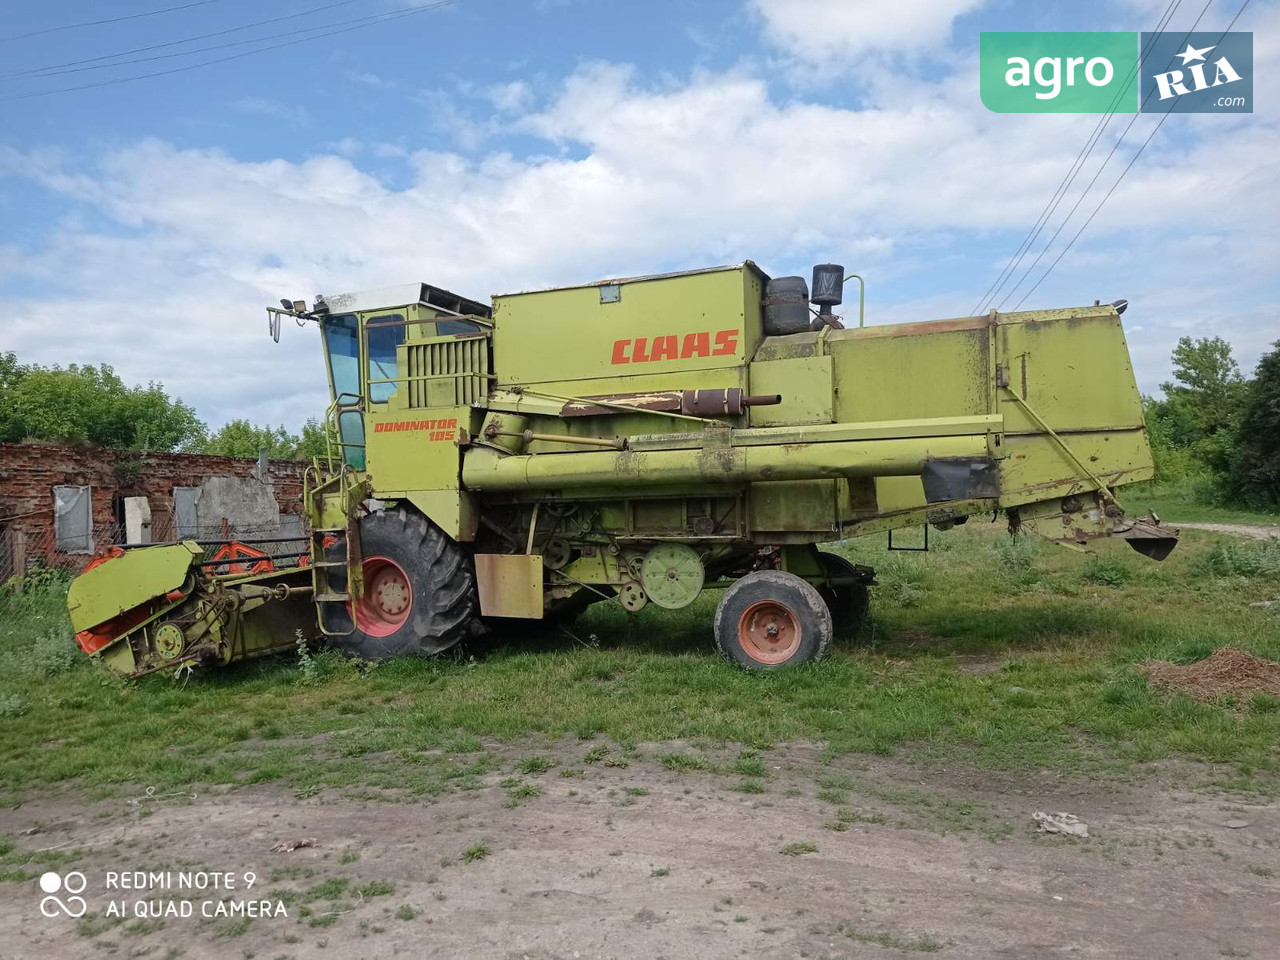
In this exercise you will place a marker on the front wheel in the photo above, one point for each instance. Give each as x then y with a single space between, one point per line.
419 590
772 619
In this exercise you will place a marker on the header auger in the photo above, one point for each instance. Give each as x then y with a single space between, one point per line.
637 441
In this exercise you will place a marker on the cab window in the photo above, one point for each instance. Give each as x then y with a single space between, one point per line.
384 333
342 344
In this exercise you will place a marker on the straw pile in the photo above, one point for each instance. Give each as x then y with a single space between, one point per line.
1225 671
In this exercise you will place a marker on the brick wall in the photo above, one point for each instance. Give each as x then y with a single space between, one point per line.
29 471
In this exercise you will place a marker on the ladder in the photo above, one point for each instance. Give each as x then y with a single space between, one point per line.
346 535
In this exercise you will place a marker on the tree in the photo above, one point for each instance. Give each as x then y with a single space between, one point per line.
11 374
92 405
1255 471
313 442
1202 405
240 438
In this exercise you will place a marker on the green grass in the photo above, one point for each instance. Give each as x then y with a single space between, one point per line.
1012 658
1174 502
475 852
799 848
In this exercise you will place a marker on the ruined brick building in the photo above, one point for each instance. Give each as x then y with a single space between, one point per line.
60 504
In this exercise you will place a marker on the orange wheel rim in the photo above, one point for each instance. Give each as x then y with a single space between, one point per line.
769 632
387 600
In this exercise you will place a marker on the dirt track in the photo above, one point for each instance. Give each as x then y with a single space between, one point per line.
643 861
1239 529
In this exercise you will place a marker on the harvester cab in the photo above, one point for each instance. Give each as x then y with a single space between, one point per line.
639 440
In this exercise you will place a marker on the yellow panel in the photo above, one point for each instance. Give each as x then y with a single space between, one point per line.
805 386
1074 373
932 372
683 322
415 449
510 585
899 493
794 505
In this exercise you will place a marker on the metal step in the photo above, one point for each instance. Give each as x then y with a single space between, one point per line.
332 597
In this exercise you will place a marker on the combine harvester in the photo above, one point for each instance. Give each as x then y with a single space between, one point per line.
637 441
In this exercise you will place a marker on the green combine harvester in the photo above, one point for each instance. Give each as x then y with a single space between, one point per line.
636 441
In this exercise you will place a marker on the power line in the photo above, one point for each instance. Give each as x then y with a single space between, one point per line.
98 23
1064 185
399 15
1128 166
174 43
1097 173
219 46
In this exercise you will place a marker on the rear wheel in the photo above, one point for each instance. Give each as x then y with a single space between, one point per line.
772 619
848 602
419 590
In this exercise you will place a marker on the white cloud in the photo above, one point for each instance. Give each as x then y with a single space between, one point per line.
296 116
713 169
509 97
843 30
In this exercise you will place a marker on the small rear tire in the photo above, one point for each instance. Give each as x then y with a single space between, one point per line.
771 619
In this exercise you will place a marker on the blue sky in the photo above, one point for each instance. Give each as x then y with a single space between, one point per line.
491 145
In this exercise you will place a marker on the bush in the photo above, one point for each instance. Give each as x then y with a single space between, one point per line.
901 581
1259 558
1017 552
52 653
1105 571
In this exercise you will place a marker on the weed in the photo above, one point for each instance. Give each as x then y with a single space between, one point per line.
891 941
406 912
477 851
518 790
660 872
13 706
901 581
535 765
330 889
748 786
749 767
1255 558
595 755
684 762
1106 571
377 888
308 669
799 848
1016 553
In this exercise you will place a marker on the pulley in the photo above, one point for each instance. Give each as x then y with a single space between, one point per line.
672 575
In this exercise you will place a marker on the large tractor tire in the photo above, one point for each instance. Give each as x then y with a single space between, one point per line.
419 590
771 619
848 603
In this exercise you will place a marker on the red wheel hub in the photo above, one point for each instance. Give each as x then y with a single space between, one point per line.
769 632
387 600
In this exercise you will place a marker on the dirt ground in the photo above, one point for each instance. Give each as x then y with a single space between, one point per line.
1238 529
627 857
